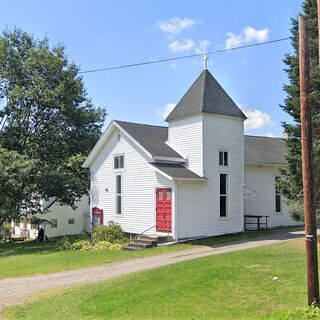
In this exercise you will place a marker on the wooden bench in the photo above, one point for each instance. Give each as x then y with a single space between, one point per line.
259 222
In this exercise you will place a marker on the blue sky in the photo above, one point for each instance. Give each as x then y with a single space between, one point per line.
100 34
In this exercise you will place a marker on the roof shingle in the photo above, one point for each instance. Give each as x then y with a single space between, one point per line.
177 171
264 150
205 95
150 137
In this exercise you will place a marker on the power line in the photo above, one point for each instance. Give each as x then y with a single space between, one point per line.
169 59
182 57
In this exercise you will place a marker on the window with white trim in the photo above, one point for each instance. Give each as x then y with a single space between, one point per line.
119 194
223 207
223 158
277 194
119 162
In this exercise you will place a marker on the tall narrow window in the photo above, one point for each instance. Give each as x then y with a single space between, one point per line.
277 195
119 194
223 194
119 162
223 158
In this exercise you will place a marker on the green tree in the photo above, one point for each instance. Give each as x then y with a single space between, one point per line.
47 124
292 176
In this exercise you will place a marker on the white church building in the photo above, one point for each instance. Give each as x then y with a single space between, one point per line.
199 176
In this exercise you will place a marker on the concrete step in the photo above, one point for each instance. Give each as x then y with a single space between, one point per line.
158 238
136 246
151 242
147 241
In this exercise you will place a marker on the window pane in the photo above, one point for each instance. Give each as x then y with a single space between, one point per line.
223 184
220 158
168 195
118 184
277 180
119 204
116 162
278 203
223 206
121 162
225 155
160 195
70 221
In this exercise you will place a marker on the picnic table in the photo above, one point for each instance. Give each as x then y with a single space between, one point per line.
260 221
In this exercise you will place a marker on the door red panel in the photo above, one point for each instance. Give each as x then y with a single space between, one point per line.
163 209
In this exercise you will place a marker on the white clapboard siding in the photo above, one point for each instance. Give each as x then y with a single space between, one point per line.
139 181
198 204
185 136
62 214
261 179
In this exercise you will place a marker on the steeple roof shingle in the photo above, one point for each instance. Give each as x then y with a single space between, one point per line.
205 96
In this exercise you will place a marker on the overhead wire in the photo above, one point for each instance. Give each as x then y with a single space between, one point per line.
143 63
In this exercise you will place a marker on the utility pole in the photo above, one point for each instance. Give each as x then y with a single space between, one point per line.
307 167
318 9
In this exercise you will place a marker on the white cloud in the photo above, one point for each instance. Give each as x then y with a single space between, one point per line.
202 46
270 135
180 46
164 111
256 119
248 35
174 65
175 25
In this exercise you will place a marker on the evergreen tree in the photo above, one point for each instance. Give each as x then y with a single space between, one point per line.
47 125
292 175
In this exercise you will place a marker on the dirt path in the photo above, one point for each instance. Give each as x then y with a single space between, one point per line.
13 291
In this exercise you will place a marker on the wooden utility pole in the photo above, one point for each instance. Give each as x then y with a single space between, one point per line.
318 9
307 167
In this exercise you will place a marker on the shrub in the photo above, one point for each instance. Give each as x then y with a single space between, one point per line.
64 243
108 237
111 233
309 313
81 245
106 245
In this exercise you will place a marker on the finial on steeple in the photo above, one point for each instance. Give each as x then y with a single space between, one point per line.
205 62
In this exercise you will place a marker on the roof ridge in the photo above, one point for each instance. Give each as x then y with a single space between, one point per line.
141 124
205 74
254 136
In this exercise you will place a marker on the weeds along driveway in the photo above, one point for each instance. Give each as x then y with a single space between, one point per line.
13 291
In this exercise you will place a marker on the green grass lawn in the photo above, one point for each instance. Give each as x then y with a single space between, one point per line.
236 285
33 258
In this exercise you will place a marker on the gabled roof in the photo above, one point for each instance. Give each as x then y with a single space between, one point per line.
177 171
205 95
257 150
152 138
264 150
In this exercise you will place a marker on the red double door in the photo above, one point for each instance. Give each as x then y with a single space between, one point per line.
163 209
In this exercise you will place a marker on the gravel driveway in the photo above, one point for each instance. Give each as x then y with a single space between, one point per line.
13 291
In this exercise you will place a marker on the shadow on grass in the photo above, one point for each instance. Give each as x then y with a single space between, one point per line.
274 233
12 249
8 249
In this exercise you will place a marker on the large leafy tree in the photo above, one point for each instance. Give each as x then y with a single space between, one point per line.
292 182
47 125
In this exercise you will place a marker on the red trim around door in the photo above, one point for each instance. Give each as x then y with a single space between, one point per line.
164 209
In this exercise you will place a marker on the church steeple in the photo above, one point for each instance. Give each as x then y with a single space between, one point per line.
205 96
